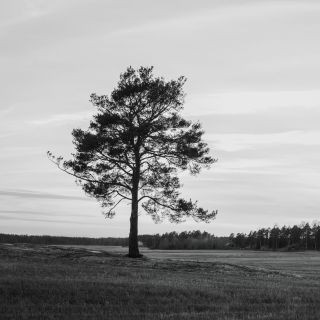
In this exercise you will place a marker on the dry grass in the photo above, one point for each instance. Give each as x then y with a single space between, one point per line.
40 282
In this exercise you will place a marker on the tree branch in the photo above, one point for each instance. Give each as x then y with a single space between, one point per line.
57 163
159 203
109 212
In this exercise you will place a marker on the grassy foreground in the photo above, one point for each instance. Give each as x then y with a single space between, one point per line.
47 282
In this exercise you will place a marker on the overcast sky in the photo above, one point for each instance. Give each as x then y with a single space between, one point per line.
253 72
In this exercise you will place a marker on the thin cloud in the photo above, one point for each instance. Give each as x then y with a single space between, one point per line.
60 119
255 102
235 142
4 217
273 120
223 14
39 195
41 213
6 111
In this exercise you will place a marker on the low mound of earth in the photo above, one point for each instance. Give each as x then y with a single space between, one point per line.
36 252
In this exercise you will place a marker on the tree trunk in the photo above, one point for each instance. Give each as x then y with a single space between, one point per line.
133 236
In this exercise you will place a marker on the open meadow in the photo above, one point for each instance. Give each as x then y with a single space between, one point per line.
95 282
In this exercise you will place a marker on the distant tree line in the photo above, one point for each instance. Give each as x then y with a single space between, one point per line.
172 240
52 240
186 240
303 236
299 237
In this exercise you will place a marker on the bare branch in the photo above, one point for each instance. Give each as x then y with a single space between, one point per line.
109 212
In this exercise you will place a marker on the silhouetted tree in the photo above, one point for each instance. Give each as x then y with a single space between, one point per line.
134 147
274 237
306 232
295 235
240 240
316 235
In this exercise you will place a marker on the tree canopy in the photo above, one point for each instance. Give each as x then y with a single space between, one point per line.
135 147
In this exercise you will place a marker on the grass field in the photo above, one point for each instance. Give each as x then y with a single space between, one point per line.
51 282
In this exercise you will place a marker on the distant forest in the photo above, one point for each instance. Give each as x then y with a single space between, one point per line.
303 236
52 240
299 237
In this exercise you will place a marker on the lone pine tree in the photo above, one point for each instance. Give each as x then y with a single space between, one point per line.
135 146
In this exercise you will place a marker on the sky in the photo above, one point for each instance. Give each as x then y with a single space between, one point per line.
253 73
